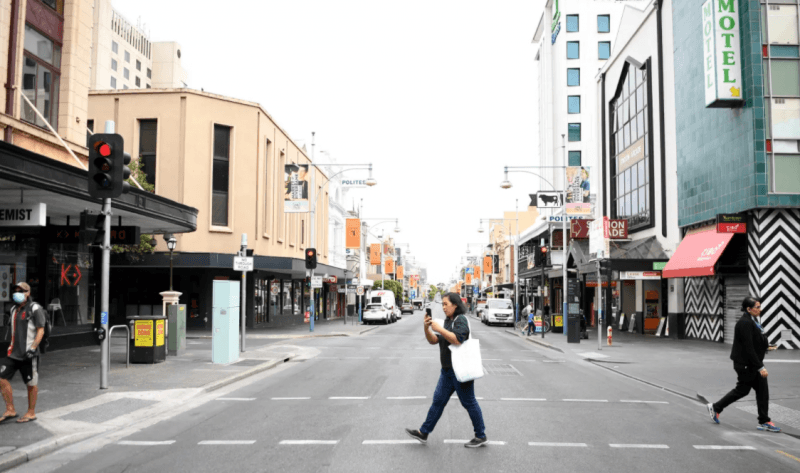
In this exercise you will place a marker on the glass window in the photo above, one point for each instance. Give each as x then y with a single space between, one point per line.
125 87
138 65
113 64
785 77
573 77
148 138
574 130
786 118
763 24
40 78
574 158
767 118
573 50
784 51
603 49
42 47
765 67
572 23
114 47
127 56
603 24
787 168
126 73
138 82
219 208
574 104
113 82
782 22
149 73
148 86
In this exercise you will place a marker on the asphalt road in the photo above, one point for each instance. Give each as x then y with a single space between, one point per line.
345 409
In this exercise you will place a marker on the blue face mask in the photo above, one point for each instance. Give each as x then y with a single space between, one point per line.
18 297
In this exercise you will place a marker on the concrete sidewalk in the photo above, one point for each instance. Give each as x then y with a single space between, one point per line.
339 327
71 406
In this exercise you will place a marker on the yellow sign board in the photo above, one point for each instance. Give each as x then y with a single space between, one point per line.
143 333
159 333
559 321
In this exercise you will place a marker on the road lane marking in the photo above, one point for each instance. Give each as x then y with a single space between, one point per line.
145 443
783 361
388 442
455 396
391 358
788 455
523 360
308 442
406 397
637 445
339 398
724 447
236 399
490 442
585 400
373 348
556 444
553 361
644 402
520 399
226 442
492 359
290 398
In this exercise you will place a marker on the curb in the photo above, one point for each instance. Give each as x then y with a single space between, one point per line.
257 336
39 449
538 342
694 398
213 386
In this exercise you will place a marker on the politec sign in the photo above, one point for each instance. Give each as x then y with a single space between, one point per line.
721 56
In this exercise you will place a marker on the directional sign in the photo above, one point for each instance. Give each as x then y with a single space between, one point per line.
242 263
316 282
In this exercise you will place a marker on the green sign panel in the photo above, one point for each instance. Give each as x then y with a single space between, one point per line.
659 266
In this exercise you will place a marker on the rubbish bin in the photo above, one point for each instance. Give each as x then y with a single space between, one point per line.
147 341
573 328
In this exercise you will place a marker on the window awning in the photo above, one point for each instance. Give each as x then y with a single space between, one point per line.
697 254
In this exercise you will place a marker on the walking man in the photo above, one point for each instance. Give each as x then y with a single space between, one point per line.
27 329
455 331
527 313
749 347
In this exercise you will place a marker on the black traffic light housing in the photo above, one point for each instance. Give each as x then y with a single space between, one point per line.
92 227
108 166
311 258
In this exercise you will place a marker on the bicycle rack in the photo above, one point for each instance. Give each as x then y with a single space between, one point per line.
127 344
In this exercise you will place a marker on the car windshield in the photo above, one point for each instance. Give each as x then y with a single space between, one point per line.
499 304
374 307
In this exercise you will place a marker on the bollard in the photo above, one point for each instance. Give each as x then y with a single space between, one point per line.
609 335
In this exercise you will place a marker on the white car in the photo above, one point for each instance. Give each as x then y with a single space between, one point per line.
498 311
375 313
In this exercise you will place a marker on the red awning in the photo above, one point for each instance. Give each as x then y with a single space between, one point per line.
697 254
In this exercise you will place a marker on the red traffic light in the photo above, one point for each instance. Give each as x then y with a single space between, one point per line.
310 252
544 249
104 149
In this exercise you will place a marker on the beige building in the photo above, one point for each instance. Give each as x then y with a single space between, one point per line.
502 234
226 157
45 58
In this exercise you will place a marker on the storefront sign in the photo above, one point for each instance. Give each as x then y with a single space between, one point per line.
70 275
124 235
593 283
721 55
731 223
617 229
598 238
632 155
143 333
354 183
331 280
559 219
639 275
659 265
23 215
547 200
578 191
579 229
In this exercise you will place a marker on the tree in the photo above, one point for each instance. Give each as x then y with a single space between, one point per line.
390 285
144 247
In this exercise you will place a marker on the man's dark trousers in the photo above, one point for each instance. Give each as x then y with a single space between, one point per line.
748 378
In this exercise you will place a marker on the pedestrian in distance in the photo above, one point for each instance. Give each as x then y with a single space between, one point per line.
749 347
454 331
531 325
28 320
527 313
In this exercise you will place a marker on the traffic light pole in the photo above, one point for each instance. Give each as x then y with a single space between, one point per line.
106 265
243 300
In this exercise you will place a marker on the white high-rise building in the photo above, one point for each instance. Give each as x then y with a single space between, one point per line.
574 39
123 57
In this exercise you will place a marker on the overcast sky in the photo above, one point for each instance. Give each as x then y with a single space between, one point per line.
438 94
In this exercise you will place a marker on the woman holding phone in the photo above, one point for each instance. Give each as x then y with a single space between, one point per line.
454 332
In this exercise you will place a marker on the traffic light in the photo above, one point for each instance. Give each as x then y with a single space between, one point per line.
108 166
540 257
92 229
311 258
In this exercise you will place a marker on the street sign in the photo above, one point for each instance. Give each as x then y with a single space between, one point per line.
316 282
242 263
276 289
360 290
547 200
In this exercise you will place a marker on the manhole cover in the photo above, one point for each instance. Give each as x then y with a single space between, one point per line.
109 410
249 362
501 370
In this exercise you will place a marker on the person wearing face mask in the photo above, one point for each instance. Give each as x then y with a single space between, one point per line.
454 332
27 330
748 350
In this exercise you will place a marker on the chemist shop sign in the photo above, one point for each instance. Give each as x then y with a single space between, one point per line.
22 215
722 69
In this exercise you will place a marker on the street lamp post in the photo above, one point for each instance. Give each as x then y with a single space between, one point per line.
171 241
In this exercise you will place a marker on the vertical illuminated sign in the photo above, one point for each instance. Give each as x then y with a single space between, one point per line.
722 69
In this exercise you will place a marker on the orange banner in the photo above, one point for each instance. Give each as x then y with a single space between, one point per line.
375 253
487 265
400 272
389 266
353 238
469 279
477 272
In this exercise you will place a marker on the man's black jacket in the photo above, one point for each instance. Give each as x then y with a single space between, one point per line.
749 344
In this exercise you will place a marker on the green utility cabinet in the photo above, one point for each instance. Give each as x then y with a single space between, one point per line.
176 329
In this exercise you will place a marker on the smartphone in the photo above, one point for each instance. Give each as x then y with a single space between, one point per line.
428 312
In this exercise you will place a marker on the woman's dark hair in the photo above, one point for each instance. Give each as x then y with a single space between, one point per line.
749 302
455 299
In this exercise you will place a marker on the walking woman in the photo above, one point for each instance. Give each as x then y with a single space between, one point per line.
455 332
749 346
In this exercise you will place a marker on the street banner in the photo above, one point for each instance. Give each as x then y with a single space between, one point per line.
531 261
496 260
400 273
389 266
547 200
469 279
353 238
295 196
375 253
477 272
487 265
578 192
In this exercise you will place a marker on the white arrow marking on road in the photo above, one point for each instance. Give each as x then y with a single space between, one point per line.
556 444
406 397
645 402
308 442
290 398
348 397
144 443
637 445
226 442
520 399
387 442
236 399
585 400
490 442
724 447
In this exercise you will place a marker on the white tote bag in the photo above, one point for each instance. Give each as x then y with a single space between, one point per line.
466 358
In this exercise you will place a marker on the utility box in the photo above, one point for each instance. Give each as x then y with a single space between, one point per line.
573 328
225 322
176 329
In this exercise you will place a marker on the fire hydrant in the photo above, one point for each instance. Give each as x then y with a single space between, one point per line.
609 335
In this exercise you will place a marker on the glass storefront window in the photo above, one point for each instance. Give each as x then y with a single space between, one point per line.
298 291
287 297
70 284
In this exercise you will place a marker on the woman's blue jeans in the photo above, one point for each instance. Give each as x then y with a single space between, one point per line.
466 394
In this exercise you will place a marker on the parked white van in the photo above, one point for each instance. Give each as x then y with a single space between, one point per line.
381 307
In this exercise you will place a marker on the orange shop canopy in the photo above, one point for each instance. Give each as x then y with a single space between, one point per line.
697 254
